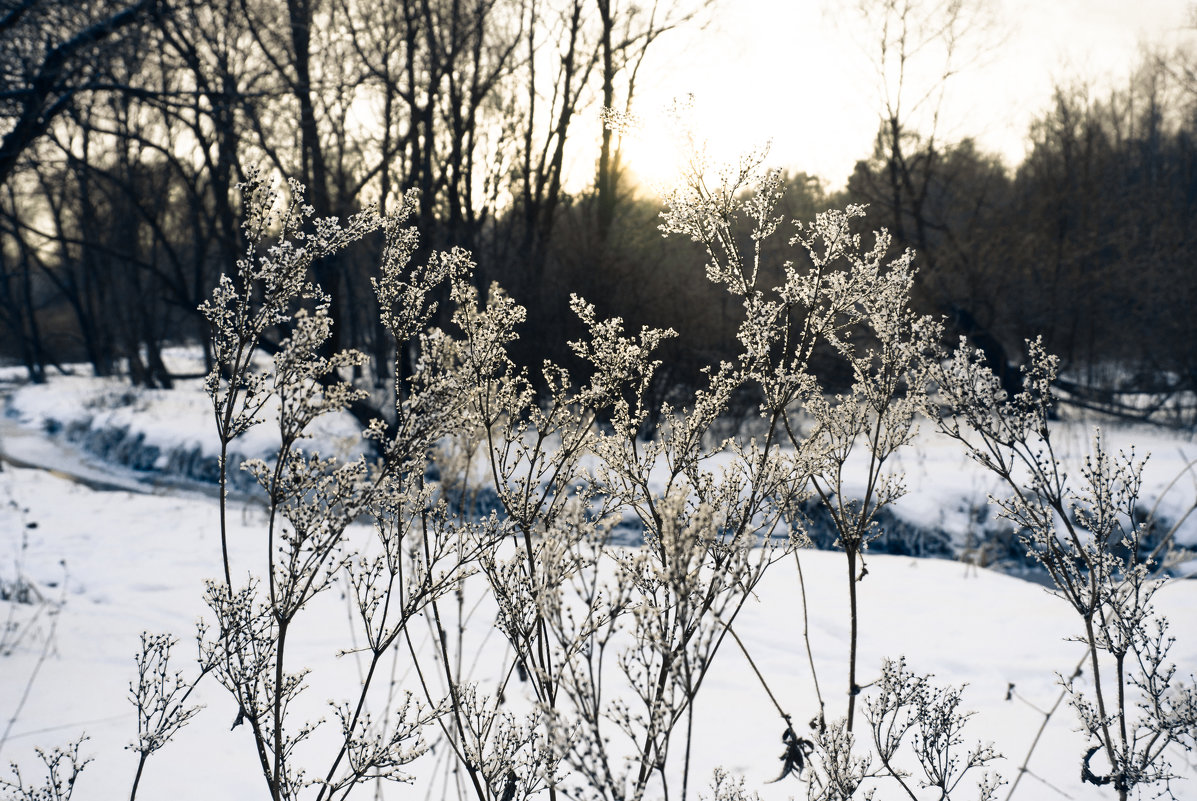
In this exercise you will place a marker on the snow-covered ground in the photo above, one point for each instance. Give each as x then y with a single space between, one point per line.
113 434
115 563
154 434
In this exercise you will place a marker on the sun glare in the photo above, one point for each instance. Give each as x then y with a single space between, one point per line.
659 147
652 163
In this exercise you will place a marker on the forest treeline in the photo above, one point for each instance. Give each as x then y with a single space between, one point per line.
127 125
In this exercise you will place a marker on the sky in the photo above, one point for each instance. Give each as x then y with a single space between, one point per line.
797 74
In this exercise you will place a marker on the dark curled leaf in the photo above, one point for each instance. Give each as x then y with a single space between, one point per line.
509 787
1088 775
793 759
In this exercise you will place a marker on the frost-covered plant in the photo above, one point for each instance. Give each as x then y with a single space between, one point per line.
915 733
836 294
1086 531
261 297
905 703
564 481
726 788
418 552
160 696
62 766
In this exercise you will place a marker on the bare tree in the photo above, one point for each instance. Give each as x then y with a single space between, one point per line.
627 32
916 48
42 76
51 51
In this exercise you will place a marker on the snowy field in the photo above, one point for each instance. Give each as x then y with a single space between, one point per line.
112 563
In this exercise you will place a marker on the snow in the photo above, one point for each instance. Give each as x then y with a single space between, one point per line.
170 433
127 563
116 563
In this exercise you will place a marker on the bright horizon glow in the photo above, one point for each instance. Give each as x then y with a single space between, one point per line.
797 75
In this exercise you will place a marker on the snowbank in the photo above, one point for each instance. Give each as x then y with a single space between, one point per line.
169 434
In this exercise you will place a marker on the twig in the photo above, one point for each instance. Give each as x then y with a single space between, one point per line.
1042 780
41 660
764 684
1047 716
74 725
1167 538
810 656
